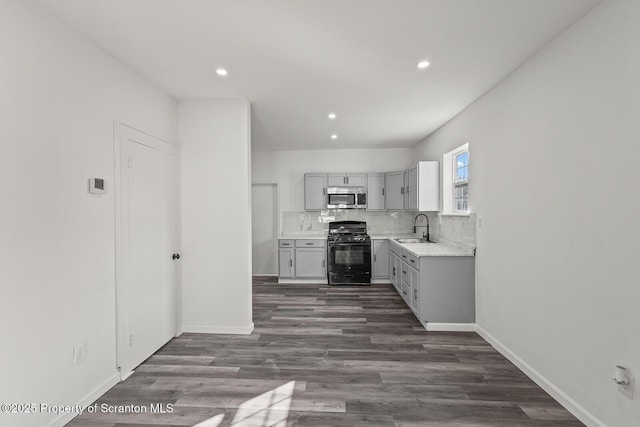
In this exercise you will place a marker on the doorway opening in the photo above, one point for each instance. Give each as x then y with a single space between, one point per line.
265 229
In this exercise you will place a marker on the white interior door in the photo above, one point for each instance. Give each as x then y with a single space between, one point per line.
147 306
264 226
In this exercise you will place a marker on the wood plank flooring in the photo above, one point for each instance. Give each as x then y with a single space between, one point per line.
329 356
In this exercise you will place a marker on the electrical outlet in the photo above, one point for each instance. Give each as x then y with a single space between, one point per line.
78 353
628 390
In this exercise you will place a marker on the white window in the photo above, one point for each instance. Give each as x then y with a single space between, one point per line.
455 191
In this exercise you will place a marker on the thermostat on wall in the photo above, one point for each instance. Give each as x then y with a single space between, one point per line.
96 185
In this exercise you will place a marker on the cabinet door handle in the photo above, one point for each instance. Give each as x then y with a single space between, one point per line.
323 263
290 263
309 243
394 271
404 256
412 260
375 257
324 191
404 292
285 244
415 294
383 191
404 272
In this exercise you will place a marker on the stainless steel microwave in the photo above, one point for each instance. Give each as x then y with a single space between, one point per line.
346 197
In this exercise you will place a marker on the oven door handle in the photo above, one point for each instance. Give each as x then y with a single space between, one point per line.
364 245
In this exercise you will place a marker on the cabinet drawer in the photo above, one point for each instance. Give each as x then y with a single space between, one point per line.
285 243
395 250
310 243
406 291
410 259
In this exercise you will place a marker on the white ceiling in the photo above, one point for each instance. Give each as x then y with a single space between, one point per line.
298 60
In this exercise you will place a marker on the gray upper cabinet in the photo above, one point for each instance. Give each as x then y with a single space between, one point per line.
411 189
394 190
375 191
347 179
424 185
315 190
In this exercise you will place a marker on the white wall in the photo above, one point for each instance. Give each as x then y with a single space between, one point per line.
554 151
288 167
264 226
216 216
60 96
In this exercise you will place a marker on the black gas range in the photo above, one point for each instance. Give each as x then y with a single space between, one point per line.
349 253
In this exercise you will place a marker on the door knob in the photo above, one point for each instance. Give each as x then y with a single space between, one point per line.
175 256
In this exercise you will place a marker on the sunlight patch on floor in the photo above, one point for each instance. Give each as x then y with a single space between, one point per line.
270 409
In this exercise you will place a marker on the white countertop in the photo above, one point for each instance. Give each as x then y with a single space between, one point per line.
303 235
443 248
438 249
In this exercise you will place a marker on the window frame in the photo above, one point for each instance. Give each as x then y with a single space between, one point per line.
450 182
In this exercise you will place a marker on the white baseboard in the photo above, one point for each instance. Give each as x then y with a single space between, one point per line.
380 281
233 330
450 327
87 400
571 405
303 281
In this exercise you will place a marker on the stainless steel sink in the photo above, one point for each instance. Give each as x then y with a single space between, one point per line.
412 240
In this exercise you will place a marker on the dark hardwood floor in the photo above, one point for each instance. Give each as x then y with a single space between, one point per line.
329 356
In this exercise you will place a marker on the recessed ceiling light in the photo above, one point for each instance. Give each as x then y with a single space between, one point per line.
332 116
221 72
423 64
334 136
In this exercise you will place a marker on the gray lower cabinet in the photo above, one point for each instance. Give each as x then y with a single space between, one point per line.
286 261
438 289
302 259
380 259
447 289
311 263
394 267
394 271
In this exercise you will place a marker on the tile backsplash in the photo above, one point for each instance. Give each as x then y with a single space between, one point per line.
458 229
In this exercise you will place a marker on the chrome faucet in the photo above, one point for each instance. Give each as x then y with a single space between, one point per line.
425 235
